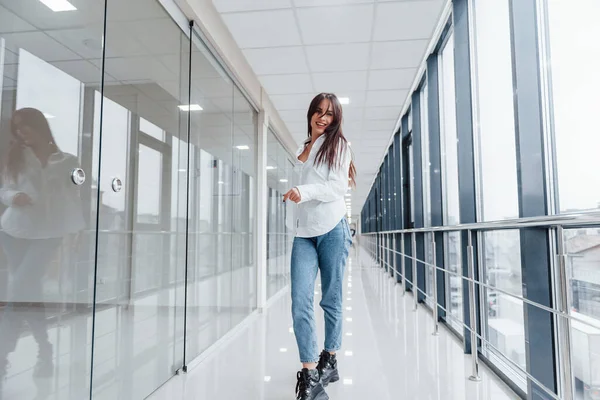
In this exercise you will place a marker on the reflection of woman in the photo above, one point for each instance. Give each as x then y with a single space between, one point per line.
42 207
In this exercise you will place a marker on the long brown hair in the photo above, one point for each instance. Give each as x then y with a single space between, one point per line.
334 137
34 119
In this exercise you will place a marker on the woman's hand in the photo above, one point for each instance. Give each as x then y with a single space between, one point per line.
21 200
293 195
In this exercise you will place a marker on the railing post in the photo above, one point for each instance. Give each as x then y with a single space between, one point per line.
564 322
473 311
415 280
403 264
394 257
436 326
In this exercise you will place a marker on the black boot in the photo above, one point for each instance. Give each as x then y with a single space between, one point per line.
309 386
327 368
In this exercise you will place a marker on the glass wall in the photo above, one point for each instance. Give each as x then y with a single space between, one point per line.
282 175
517 104
124 194
573 61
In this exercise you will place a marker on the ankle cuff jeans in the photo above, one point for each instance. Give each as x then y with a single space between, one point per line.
327 253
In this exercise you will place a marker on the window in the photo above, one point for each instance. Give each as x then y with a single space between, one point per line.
498 194
450 193
574 62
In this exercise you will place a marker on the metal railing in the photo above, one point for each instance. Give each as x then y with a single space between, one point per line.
382 246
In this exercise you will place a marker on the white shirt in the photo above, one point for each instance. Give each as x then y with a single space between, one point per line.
322 190
56 208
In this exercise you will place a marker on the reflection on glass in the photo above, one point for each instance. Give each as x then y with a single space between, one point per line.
575 52
46 221
583 274
281 220
450 195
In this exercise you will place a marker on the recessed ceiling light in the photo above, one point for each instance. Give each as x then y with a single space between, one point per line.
349 353
348 319
283 350
270 167
190 107
348 308
347 381
283 180
48 116
344 100
59 5
243 147
267 379
348 333
349 299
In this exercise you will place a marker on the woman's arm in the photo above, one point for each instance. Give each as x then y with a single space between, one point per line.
334 188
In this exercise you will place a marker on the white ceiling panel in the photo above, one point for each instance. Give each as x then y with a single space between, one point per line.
381 113
292 101
39 44
406 20
383 98
287 84
83 70
380 124
340 82
158 36
264 28
321 3
9 22
225 6
345 57
87 42
351 24
387 79
293 115
399 54
279 60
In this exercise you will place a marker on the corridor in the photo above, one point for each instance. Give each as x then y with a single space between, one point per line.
388 353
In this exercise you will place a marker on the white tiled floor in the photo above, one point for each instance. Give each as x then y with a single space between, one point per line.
389 353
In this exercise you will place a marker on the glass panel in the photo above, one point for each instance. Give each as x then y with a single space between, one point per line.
450 193
139 325
498 184
244 212
426 176
281 219
215 186
583 263
47 228
575 52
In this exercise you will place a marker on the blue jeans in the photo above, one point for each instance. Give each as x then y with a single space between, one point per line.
328 253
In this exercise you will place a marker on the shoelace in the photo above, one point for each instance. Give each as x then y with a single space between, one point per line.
302 384
323 360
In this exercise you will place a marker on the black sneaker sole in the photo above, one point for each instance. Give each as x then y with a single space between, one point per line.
320 394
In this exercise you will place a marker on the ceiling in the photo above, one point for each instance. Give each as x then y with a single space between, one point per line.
366 50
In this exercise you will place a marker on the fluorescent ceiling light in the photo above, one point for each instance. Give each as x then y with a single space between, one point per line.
283 180
348 195
283 350
267 379
347 381
190 107
59 5
344 100
270 167
243 147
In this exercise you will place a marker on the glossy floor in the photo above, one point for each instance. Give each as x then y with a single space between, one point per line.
389 353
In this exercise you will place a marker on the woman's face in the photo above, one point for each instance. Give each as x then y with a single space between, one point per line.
322 118
24 133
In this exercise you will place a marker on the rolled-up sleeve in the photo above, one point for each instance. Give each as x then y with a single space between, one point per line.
336 185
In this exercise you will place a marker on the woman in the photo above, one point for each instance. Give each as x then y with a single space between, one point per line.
322 243
42 208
